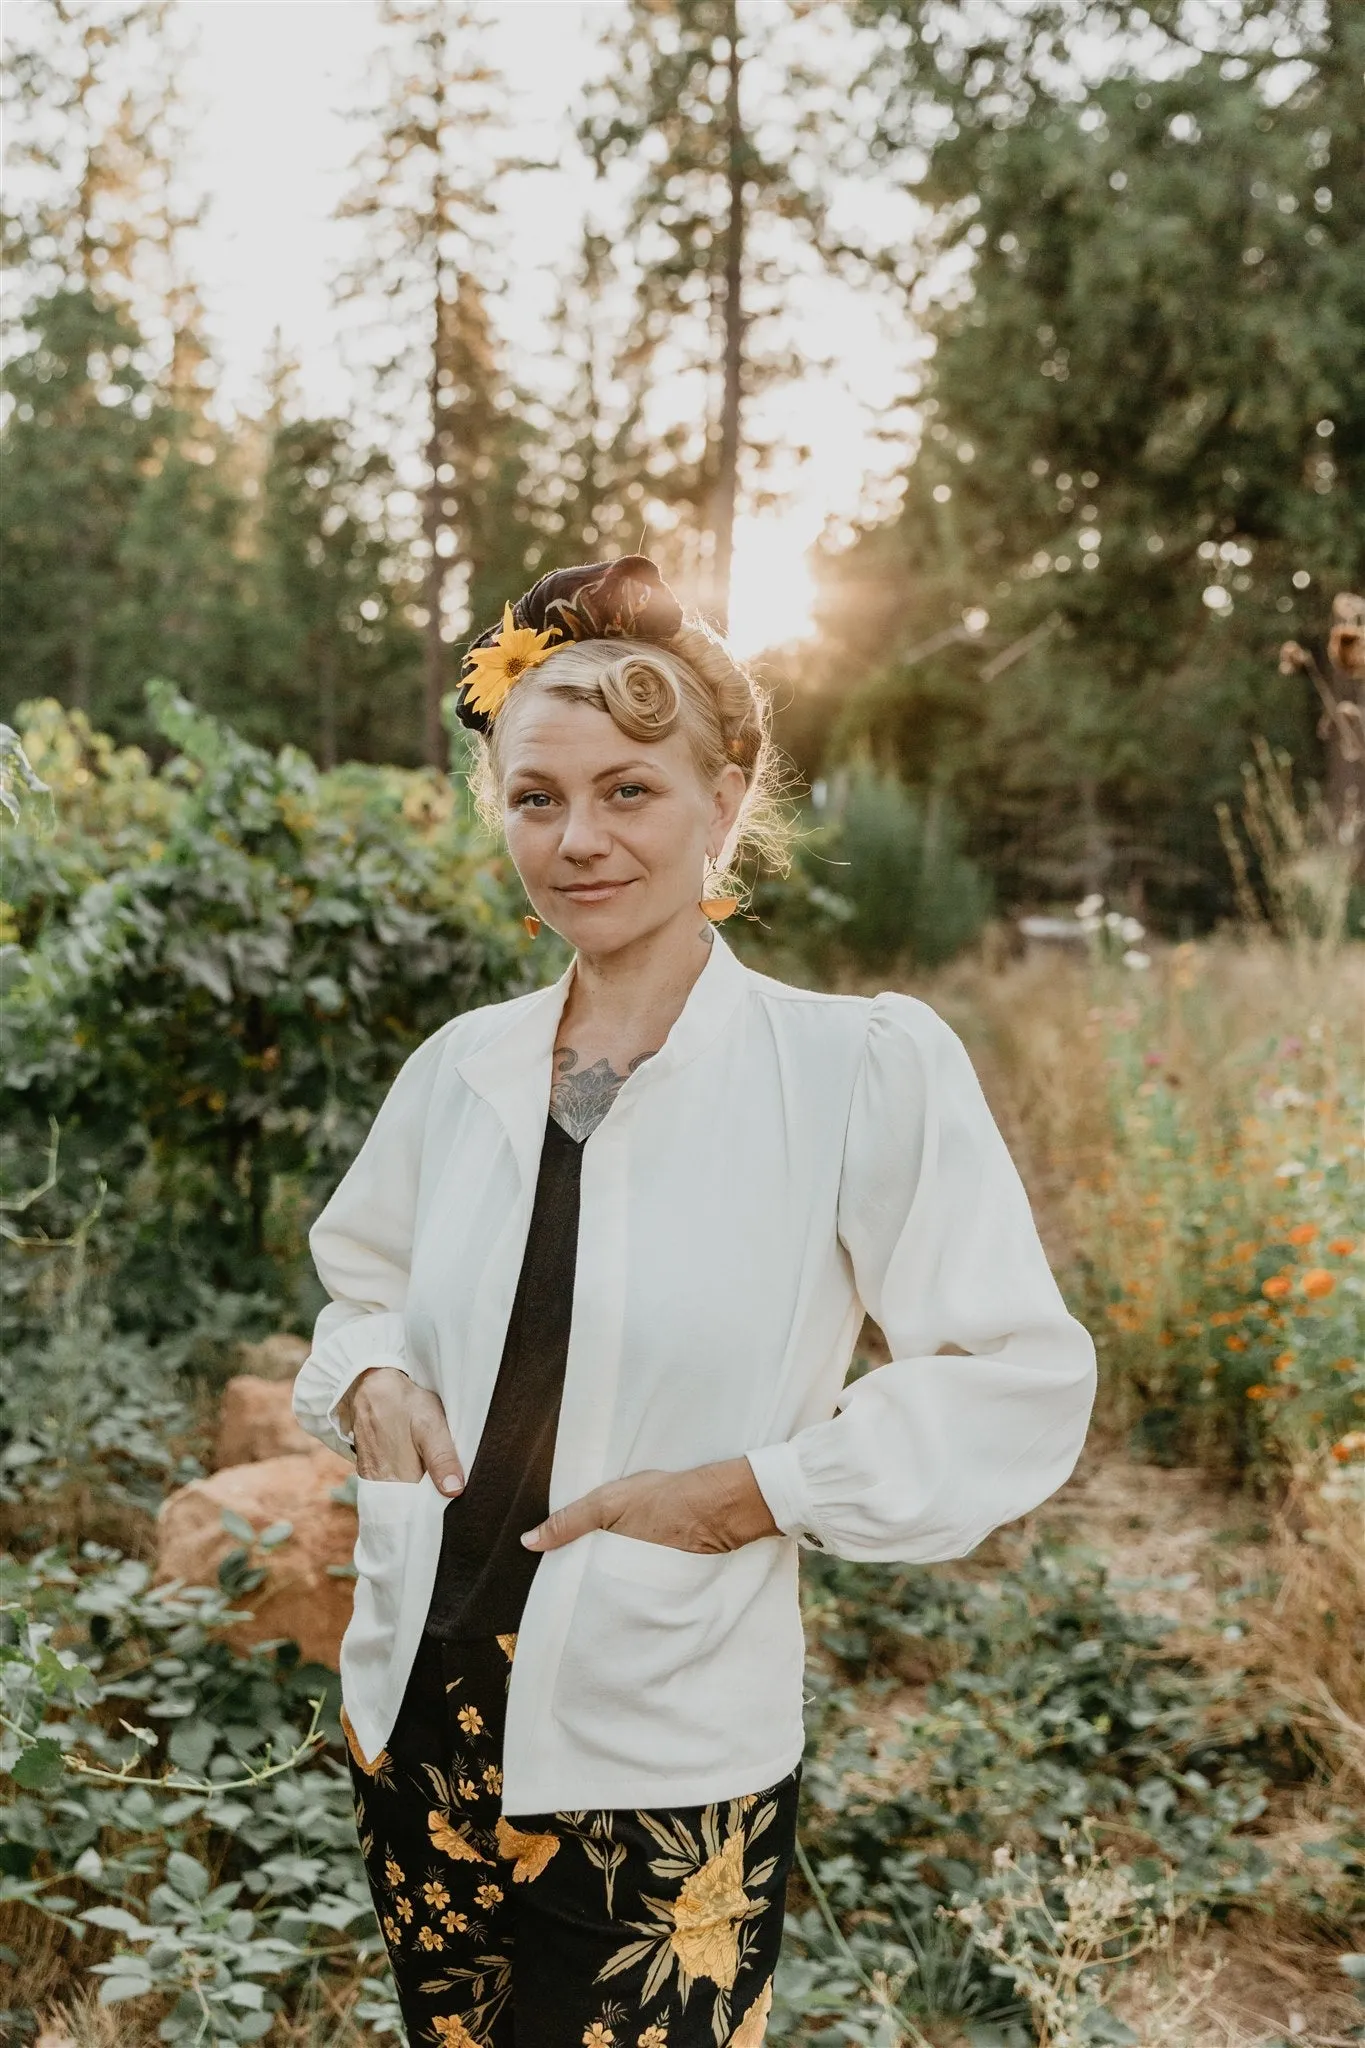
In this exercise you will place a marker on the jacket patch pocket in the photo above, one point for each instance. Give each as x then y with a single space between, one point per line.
655 1564
384 1510
677 1661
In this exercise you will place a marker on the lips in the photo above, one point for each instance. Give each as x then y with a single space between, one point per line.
592 892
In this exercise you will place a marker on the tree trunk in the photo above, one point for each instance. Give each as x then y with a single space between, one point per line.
436 567
327 699
722 521
82 624
1343 728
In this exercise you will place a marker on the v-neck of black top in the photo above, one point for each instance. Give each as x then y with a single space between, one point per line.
485 1571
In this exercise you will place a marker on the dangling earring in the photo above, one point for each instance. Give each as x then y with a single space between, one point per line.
532 924
717 908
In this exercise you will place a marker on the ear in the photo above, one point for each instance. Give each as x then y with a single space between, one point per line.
729 801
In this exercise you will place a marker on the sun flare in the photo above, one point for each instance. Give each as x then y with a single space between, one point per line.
772 592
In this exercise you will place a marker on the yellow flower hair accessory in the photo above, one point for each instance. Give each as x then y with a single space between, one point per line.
627 598
493 670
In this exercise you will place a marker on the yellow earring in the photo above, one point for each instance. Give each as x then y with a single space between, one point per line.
532 924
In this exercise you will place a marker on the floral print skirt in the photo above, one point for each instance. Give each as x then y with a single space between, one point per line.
612 1929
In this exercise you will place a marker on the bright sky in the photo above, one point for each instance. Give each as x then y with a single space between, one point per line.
269 84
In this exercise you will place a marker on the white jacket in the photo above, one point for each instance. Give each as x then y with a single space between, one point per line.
785 1161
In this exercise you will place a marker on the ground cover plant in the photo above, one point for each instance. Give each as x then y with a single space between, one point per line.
1049 1799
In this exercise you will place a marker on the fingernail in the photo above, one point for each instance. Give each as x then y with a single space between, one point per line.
452 1485
531 1539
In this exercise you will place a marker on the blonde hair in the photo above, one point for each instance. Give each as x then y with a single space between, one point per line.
651 688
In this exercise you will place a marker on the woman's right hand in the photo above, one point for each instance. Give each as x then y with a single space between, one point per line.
400 1430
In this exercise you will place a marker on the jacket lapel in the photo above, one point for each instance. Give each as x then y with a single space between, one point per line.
512 1073
512 1070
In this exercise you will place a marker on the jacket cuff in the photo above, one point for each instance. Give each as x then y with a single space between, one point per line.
777 1470
345 1354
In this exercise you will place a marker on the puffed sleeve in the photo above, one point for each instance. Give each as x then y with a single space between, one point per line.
362 1248
930 1453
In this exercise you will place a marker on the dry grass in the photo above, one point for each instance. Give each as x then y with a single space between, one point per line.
1311 1634
1271 1586
84 2023
78 2020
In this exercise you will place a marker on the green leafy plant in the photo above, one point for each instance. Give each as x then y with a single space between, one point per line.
215 978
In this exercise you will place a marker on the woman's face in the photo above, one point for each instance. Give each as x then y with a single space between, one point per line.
610 835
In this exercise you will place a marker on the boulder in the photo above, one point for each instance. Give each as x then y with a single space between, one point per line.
274 1358
300 1597
255 1421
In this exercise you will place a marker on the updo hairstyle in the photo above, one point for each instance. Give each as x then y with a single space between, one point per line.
648 688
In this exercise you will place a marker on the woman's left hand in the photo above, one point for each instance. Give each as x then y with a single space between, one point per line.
711 1507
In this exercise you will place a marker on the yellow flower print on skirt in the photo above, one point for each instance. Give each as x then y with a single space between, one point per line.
528 1853
654 1928
754 2026
704 1934
707 1915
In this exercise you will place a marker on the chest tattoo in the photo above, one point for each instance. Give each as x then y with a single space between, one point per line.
581 1096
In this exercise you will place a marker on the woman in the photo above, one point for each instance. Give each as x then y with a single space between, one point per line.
596 1277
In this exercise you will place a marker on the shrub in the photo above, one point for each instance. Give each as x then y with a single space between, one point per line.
216 968
898 862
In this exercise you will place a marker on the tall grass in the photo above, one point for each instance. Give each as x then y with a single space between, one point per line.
1193 1136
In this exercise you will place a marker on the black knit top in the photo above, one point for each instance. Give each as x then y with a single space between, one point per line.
485 1571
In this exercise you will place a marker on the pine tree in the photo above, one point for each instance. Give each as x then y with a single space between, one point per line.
1144 432
424 200
120 525
723 216
339 657
92 124
592 459
80 433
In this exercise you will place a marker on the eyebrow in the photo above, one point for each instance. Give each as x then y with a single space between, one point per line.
613 774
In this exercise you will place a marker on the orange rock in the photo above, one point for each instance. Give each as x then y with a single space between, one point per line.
255 1421
300 1598
274 1358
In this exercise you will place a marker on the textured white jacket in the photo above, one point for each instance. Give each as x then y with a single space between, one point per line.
785 1161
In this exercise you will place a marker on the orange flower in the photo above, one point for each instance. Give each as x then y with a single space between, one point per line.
1259 1393
1284 1363
1276 1287
1350 1446
1318 1283
1237 1343
1303 1233
1342 1246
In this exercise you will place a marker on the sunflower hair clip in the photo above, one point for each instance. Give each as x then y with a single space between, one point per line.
627 598
491 672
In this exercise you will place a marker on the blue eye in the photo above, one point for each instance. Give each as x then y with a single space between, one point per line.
537 797
631 789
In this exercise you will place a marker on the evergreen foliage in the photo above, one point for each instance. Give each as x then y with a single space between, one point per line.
1145 424
424 198
913 896
728 197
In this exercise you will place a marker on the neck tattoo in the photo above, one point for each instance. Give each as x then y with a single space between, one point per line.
581 1096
